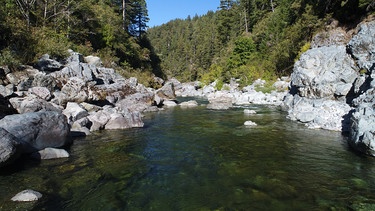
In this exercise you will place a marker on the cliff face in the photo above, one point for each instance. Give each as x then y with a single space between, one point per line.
332 85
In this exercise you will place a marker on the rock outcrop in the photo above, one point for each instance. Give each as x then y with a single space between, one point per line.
332 86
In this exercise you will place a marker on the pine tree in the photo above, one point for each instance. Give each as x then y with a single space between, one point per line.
138 18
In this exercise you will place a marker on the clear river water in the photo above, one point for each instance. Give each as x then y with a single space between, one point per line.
200 159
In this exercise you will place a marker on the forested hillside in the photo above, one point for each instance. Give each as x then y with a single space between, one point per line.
112 29
248 39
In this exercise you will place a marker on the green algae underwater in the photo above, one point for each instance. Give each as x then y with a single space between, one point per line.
200 159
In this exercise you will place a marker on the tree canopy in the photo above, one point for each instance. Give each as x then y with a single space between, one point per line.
247 39
115 30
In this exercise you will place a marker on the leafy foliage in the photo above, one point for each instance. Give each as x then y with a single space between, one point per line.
247 39
29 29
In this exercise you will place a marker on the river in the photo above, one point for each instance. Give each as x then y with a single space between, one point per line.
200 159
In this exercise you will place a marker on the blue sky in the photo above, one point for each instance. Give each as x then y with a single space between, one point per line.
162 11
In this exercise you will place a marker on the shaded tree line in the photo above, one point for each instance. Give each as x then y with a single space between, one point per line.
115 30
248 39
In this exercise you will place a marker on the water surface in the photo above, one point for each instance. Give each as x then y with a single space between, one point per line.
199 159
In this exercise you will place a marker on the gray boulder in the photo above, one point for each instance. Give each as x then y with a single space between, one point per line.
7 90
99 120
75 90
167 92
331 36
41 92
362 45
318 113
169 103
138 102
123 120
9 147
93 60
324 72
190 103
220 100
45 63
43 80
37 130
81 127
32 104
74 112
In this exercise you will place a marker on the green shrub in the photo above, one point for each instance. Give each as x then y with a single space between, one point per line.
7 58
50 42
303 49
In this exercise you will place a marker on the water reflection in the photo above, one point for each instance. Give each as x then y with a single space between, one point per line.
196 159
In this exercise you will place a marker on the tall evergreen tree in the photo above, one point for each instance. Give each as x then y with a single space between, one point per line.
138 18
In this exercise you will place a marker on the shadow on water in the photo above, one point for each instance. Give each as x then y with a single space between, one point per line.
198 159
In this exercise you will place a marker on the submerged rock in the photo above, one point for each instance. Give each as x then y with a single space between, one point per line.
250 123
27 195
248 111
50 153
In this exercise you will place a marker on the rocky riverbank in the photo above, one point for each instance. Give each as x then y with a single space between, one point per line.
331 88
332 85
42 106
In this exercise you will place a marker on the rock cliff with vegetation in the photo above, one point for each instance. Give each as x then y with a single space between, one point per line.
332 87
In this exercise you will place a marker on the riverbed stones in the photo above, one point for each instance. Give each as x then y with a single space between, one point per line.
27 196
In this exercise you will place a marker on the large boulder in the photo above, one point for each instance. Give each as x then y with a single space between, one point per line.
321 85
37 130
319 113
123 120
138 102
45 63
362 45
220 100
167 92
331 36
9 147
326 72
74 112
75 90
362 124
32 104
